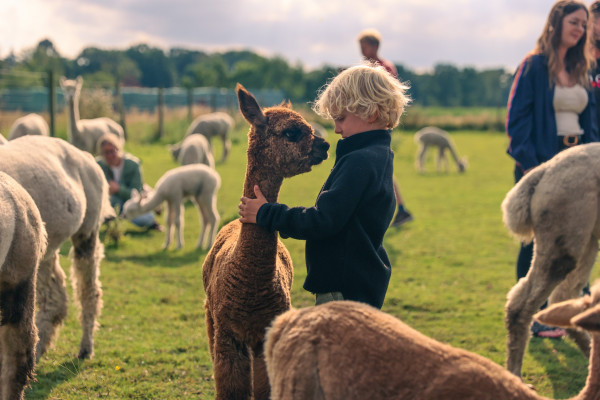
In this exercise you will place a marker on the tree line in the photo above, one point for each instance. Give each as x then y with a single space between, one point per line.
146 66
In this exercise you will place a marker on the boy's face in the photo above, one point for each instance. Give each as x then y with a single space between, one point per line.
348 124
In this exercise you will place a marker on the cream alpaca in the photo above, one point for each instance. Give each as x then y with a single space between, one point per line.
198 182
557 205
349 351
21 248
248 272
218 124
30 124
71 194
435 137
84 133
193 149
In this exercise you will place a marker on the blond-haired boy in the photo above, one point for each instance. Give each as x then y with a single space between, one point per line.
344 230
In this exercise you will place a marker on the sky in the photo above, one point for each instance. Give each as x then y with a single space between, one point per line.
416 33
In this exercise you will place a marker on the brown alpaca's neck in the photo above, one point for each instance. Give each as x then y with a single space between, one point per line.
591 390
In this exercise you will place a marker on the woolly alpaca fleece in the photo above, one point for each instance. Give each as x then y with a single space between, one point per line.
30 124
217 124
247 274
348 350
194 149
432 136
22 245
71 194
557 204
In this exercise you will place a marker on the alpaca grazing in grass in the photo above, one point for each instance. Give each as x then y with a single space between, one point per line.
22 244
198 182
30 124
248 272
217 124
344 350
84 133
556 204
431 136
71 194
194 149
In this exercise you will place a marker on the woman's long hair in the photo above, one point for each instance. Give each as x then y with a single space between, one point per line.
578 59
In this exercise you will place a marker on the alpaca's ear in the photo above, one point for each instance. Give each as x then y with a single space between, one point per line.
249 107
560 314
62 81
588 320
135 195
286 104
79 80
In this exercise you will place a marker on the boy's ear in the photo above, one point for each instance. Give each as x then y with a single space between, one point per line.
249 107
374 118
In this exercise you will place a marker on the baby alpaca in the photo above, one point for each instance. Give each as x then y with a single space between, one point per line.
30 124
198 182
217 124
435 137
556 204
351 351
248 272
21 248
84 133
194 149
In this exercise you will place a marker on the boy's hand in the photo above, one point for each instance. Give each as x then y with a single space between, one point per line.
248 207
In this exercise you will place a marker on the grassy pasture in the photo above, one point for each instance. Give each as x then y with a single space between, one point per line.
452 268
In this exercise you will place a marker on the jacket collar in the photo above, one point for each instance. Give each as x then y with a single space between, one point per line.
363 139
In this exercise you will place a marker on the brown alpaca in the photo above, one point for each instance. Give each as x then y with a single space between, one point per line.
248 272
351 351
22 244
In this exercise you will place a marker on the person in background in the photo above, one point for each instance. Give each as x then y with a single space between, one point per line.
595 46
550 106
369 41
123 173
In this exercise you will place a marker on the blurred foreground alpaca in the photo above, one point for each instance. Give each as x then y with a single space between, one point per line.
556 204
22 245
71 194
435 137
248 272
345 350
30 124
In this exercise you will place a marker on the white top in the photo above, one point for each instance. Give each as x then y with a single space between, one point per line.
569 102
117 172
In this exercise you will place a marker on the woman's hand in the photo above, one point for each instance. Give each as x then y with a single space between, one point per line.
248 208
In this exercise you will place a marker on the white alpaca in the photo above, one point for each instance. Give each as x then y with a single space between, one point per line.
71 194
217 124
194 149
30 124
22 245
431 136
557 205
3 139
198 182
84 133
345 350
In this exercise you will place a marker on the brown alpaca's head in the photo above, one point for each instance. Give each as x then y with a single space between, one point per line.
280 140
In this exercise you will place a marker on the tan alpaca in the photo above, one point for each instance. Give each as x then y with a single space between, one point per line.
198 182
248 272
557 205
217 124
431 136
194 149
22 245
71 194
345 350
30 124
84 133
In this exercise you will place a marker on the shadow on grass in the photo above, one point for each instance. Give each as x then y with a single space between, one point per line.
46 382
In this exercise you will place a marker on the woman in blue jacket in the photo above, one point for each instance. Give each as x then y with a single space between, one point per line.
550 106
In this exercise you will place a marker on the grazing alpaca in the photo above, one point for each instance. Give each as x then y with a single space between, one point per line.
84 133
198 182
30 124
248 272
557 204
21 248
435 137
217 124
349 351
194 149
71 194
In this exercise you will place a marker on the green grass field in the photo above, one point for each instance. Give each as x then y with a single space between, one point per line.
452 268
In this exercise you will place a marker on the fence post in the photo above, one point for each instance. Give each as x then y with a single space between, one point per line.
120 107
51 102
190 103
161 113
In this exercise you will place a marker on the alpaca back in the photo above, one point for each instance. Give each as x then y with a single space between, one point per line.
194 149
210 125
30 124
433 136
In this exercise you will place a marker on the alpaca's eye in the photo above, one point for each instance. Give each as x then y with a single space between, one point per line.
292 134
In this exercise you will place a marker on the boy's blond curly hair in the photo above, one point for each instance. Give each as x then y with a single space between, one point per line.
366 91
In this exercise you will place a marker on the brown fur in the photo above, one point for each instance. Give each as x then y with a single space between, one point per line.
558 205
248 272
22 244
